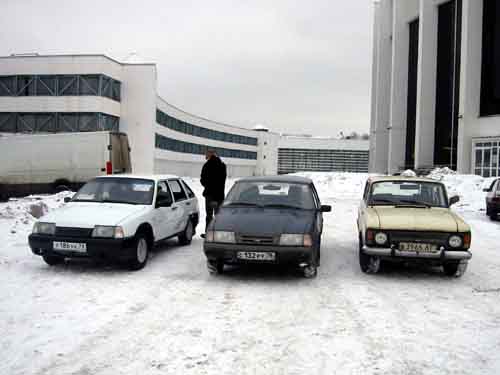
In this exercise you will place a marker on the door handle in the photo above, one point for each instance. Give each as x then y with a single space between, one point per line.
188 203
174 208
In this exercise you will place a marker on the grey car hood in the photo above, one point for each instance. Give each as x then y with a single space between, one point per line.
264 221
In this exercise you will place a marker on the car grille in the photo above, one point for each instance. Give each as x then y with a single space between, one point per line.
255 240
415 236
74 232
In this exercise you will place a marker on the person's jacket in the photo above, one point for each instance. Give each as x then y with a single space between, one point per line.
213 179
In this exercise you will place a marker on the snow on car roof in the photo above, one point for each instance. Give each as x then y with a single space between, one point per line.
155 177
401 178
283 178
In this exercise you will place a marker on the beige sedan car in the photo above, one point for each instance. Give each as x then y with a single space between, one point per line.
403 219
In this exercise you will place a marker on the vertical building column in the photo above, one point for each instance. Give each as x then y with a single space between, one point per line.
470 81
381 87
399 88
426 85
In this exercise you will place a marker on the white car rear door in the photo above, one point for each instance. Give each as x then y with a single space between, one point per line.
180 208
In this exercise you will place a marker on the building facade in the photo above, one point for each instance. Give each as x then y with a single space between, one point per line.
436 86
75 93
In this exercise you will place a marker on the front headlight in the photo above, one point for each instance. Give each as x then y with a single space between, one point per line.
296 240
220 236
455 241
104 231
381 238
44 228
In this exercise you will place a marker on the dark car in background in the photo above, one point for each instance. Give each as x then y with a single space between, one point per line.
493 200
268 220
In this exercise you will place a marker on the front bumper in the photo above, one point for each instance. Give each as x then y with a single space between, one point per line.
284 254
103 248
394 253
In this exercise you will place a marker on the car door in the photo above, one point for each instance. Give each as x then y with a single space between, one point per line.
192 202
180 208
164 219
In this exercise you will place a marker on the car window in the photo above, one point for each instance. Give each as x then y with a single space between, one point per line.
188 189
283 194
365 193
178 192
316 196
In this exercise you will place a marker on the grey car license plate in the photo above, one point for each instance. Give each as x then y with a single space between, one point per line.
418 247
76 247
256 255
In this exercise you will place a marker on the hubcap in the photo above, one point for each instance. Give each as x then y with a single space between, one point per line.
142 250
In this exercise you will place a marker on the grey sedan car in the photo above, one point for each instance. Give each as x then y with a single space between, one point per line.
273 220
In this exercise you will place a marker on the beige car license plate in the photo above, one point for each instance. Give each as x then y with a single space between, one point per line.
76 247
256 255
418 247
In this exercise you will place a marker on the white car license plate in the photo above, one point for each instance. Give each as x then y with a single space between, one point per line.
255 255
418 247
77 247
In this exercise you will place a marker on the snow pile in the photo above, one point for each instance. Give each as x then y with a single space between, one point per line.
409 173
440 173
337 185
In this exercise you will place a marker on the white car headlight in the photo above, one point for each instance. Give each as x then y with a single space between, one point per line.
455 241
104 231
44 228
381 238
223 237
295 240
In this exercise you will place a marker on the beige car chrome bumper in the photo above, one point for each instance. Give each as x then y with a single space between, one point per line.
442 254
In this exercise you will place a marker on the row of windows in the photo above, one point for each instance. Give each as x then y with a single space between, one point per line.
198 131
170 144
487 159
302 160
60 85
57 122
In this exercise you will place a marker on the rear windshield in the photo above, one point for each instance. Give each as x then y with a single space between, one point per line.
277 194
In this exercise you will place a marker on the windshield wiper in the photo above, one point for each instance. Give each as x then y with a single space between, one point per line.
378 201
117 201
417 203
277 205
249 204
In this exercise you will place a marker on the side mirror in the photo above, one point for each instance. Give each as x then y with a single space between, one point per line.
454 199
326 208
67 199
486 190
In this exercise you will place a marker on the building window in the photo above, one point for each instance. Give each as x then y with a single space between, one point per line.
57 122
60 85
175 145
490 75
485 158
198 131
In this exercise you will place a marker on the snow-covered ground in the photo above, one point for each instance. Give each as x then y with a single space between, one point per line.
173 318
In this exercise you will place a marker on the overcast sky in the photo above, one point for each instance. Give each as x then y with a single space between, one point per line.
295 66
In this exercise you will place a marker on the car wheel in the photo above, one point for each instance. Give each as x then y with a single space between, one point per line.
215 267
455 269
368 263
310 271
141 253
187 236
53 260
493 215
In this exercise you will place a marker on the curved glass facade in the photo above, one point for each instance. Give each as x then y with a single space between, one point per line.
198 131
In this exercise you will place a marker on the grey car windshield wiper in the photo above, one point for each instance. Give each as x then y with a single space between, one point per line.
417 203
249 204
281 206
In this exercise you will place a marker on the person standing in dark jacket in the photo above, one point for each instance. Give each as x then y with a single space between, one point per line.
213 179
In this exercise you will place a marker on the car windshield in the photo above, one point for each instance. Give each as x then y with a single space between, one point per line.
401 193
116 190
271 194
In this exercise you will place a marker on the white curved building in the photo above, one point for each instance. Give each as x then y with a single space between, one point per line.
74 93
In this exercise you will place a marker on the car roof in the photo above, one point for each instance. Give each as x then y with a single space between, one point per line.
155 177
402 178
282 178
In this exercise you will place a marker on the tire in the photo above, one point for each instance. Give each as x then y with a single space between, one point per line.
187 236
455 269
53 260
215 267
368 263
142 247
493 215
311 271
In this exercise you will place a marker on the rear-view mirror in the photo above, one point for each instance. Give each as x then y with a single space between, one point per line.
326 208
454 199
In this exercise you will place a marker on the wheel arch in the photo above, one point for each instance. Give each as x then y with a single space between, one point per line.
147 230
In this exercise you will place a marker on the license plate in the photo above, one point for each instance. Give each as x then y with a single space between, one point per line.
254 255
418 247
77 247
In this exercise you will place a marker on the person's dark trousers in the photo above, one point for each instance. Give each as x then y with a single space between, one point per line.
211 209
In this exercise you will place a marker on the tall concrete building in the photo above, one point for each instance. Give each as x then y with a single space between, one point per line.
77 93
436 86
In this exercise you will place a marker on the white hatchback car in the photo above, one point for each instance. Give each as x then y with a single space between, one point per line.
118 218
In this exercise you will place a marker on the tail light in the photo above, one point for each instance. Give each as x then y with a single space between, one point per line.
109 167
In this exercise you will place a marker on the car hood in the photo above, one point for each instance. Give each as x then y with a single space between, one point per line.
419 219
263 221
88 215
